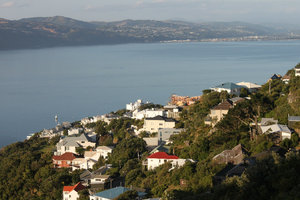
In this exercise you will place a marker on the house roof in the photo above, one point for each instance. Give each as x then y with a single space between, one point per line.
72 141
286 77
161 118
162 155
65 156
294 118
104 148
275 76
229 85
249 85
89 153
100 176
225 105
115 192
236 100
275 128
76 187
85 175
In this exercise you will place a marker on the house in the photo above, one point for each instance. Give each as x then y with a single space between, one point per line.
83 163
66 125
148 113
69 144
229 87
154 124
251 87
113 193
275 77
87 176
286 79
234 156
278 132
71 192
95 155
104 151
297 70
75 131
229 171
88 120
159 158
63 161
173 111
135 105
294 123
99 179
164 134
109 117
217 113
50 133
236 100
91 158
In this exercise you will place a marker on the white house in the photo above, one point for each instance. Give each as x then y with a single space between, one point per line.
75 131
148 113
252 87
283 130
135 105
159 158
99 179
154 124
173 111
297 70
83 163
88 120
69 144
104 151
229 87
71 192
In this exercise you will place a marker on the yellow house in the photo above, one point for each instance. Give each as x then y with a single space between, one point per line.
217 113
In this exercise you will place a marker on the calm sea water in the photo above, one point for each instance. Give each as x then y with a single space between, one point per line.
76 82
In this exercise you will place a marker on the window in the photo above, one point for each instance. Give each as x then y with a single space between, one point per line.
160 124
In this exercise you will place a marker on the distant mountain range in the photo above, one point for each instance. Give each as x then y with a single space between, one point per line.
62 31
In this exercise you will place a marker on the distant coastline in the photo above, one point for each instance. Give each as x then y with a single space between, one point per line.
59 31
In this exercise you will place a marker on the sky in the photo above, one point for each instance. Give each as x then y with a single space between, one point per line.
254 11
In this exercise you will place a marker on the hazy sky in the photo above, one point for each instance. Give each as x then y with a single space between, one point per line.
258 11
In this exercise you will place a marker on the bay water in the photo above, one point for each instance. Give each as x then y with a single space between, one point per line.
76 82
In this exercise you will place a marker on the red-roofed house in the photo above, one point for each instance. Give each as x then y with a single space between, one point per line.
64 160
159 158
71 192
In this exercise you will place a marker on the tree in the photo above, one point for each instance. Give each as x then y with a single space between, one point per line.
128 195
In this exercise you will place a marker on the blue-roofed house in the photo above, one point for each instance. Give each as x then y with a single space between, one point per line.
113 193
229 87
